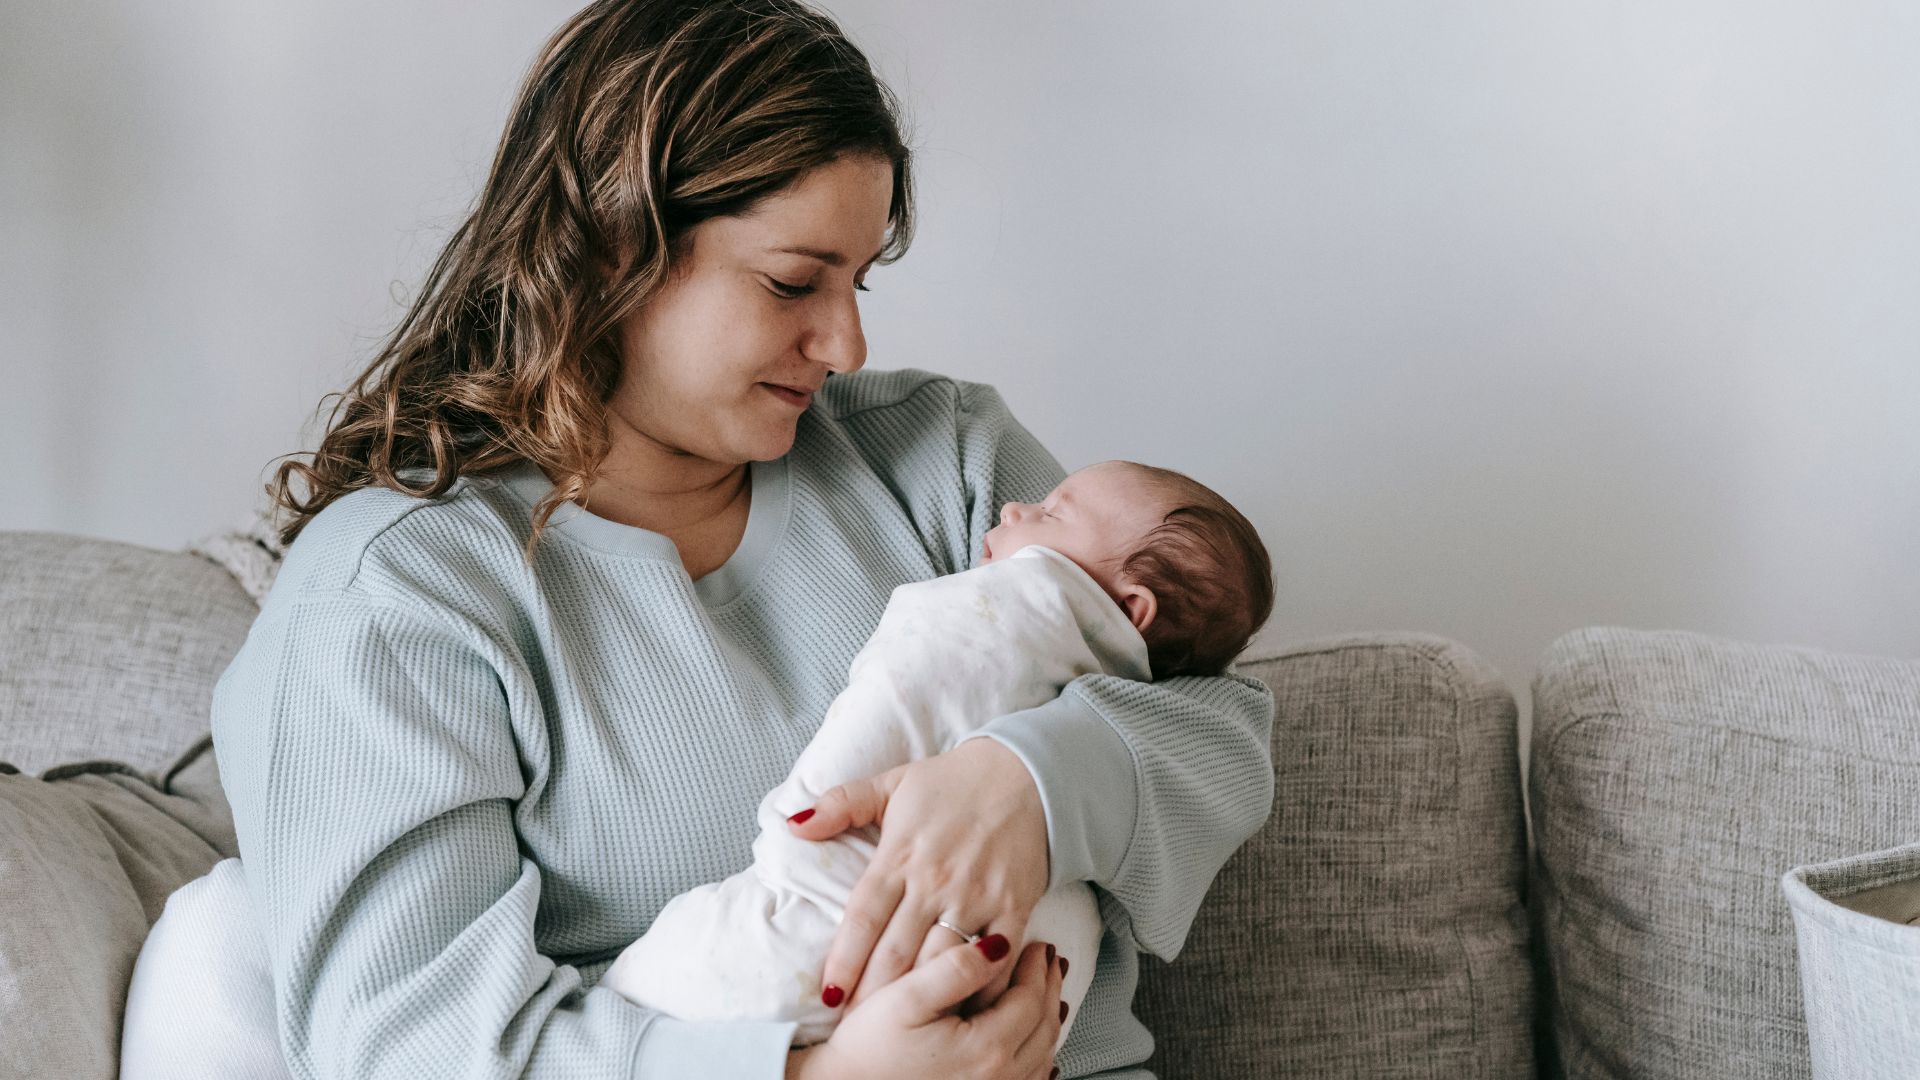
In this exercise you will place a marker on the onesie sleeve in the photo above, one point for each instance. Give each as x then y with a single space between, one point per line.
1148 787
369 753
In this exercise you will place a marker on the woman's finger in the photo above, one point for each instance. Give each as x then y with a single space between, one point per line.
869 911
938 940
1036 1053
929 992
1025 1005
851 805
899 944
1014 929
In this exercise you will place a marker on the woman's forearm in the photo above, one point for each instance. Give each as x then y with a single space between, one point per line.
1196 752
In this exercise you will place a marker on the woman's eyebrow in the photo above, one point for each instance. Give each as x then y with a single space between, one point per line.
831 258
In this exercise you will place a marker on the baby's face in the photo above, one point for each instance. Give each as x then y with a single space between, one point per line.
1094 518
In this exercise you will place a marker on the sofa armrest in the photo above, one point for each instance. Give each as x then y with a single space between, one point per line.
1675 778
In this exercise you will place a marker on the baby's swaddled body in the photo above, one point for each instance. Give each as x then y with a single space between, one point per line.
949 655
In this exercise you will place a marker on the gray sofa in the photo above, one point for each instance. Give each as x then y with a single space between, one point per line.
1387 922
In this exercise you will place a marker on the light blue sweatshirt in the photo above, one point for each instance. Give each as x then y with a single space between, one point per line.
462 783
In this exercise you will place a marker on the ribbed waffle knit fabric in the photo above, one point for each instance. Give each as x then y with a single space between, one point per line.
463 781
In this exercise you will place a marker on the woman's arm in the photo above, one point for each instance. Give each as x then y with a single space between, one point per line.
1148 788
370 757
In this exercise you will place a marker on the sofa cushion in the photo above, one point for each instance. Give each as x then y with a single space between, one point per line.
109 651
1675 778
1374 927
88 856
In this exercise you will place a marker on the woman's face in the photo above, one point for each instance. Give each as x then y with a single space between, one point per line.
760 304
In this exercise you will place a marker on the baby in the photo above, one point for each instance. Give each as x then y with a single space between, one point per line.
1123 569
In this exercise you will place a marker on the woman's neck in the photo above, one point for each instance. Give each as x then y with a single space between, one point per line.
652 486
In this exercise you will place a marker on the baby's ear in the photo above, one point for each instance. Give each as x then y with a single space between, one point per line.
1140 603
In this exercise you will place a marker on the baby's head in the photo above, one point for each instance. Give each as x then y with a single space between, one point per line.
1185 566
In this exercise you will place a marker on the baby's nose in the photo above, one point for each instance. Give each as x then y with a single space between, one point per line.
1006 512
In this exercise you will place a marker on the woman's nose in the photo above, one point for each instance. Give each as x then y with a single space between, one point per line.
836 339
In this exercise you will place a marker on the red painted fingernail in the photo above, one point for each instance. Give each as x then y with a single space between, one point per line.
1063 967
1063 1012
801 817
993 945
833 996
1049 954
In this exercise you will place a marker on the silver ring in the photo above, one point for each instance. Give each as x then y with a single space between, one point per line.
964 936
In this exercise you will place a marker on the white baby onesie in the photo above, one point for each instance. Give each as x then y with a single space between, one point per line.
949 655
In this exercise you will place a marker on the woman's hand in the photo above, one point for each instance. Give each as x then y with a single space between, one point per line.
908 1031
963 837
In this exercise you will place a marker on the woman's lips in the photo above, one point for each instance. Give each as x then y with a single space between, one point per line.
791 397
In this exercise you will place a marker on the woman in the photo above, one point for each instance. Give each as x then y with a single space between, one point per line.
580 562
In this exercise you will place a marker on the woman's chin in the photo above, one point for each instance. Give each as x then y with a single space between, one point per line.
772 444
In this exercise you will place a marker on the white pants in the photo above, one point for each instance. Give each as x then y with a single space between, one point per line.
200 1006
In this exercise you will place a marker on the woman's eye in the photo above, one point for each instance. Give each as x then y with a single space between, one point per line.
795 292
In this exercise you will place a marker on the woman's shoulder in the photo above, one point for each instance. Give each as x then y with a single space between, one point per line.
388 544
946 451
887 413
867 390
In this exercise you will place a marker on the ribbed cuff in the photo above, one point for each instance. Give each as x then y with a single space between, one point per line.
723 1049
1087 783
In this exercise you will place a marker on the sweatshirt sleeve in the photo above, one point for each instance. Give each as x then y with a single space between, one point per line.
370 757
1148 787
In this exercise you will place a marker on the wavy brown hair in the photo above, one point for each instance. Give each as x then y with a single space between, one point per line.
639 120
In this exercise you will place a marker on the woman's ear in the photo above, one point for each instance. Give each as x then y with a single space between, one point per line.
1140 603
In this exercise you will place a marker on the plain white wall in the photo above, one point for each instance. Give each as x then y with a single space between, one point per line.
1498 319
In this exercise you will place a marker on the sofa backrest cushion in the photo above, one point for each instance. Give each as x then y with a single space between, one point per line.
1675 777
1375 926
109 651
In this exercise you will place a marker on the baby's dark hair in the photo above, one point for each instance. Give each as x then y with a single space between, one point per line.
1211 577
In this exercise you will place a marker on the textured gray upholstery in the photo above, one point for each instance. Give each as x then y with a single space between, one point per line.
1375 926
1675 778
108 651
